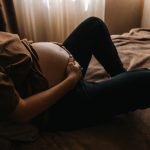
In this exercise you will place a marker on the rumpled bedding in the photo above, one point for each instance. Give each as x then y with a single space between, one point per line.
129 131
133 48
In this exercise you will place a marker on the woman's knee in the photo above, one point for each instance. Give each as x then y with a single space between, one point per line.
97 24
95 20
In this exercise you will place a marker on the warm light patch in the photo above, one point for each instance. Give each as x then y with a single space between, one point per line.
85 3
54 20
46 2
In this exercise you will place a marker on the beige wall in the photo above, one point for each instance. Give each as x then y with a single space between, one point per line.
122 15
146 14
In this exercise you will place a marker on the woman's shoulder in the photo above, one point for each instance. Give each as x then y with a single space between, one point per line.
11 49
13 54
20 63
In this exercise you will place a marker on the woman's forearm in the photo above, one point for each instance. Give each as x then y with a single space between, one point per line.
36 104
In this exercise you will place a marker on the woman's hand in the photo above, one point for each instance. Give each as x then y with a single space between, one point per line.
74 70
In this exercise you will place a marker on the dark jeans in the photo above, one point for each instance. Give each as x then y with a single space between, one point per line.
89 103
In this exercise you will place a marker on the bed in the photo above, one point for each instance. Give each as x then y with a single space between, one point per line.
129 131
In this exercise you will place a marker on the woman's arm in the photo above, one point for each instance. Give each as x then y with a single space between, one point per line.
32 106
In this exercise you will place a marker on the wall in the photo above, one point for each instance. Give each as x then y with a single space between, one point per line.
122 15
146 14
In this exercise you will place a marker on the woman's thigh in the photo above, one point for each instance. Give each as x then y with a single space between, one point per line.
125 92
90 103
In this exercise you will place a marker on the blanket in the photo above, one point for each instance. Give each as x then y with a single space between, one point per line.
133 48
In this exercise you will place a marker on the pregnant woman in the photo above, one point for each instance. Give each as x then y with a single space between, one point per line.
46 83
53 61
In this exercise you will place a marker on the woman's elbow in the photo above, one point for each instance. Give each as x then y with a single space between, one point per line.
19 115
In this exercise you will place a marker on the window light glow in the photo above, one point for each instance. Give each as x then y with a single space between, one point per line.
86 5
46 2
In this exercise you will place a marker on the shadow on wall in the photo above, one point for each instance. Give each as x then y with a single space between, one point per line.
2 22
146 14
121 16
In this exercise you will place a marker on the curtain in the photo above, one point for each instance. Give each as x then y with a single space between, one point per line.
53 20
2 20
9 16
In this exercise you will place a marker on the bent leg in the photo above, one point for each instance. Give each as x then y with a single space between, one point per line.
92 37
123 93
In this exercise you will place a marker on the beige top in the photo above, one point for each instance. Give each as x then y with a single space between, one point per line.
20 75
19 72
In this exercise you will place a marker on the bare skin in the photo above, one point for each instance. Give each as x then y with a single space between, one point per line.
53 61
70 74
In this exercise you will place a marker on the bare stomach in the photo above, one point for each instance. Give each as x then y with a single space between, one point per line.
53 61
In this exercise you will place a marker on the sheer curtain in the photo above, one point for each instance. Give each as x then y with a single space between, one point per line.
8 16
53 20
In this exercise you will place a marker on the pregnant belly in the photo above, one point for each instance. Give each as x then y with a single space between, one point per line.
53 61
